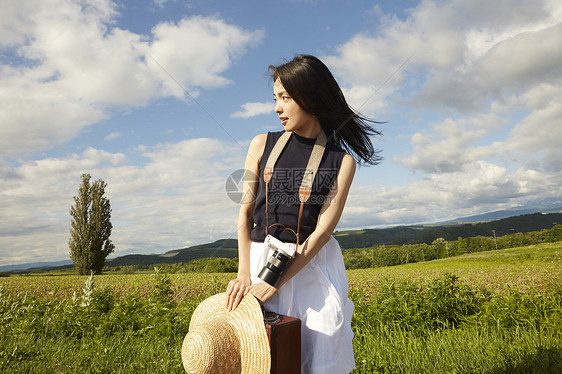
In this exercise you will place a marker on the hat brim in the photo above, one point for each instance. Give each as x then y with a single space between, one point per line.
247 324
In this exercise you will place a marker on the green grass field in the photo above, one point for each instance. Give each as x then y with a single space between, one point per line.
487 312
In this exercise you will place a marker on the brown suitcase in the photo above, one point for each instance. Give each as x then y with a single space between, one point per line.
284 335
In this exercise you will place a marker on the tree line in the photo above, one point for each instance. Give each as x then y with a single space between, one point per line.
391 255
199 265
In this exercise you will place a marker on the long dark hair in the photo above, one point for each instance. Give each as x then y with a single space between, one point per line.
313 87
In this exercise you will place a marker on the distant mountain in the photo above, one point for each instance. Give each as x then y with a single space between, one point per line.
34 265
428 233
499 214
221 248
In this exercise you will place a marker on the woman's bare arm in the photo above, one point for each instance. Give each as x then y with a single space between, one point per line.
237 288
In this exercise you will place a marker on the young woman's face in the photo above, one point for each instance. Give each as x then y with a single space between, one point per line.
292 116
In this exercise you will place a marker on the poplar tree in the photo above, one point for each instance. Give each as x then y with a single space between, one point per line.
90 227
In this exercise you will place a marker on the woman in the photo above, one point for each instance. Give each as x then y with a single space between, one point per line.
314 286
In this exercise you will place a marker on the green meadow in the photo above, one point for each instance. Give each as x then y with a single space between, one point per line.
486 312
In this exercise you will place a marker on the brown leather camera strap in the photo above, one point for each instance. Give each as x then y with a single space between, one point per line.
309 173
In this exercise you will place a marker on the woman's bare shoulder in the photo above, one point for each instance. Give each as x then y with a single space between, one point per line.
348 163
257 146
259 141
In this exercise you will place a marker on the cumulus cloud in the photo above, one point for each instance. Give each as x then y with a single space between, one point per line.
428 38
176 199
488 79
504 55
540 131
254 109
77 67
476 188
466 50
197 50
447 146
512 65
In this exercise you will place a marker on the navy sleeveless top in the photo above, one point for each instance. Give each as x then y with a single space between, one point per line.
284 203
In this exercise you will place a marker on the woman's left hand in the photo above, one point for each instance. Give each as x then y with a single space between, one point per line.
262 291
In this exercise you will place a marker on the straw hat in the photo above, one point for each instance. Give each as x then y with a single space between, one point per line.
226 342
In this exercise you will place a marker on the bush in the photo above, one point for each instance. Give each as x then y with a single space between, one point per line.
163 290
423 307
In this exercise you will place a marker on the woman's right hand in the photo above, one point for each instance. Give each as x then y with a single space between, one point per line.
236 290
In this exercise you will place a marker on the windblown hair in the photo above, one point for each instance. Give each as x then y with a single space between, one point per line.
313 87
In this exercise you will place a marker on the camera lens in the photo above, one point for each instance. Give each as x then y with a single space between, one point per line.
269 276
278 261
271 273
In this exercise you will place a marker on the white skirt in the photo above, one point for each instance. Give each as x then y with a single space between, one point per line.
318 296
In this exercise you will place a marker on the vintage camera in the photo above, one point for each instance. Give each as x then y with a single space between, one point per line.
282 255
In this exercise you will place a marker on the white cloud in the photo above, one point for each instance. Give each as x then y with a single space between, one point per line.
160 3
462 52
541 130
197 50
429 37
78 67
488 79
513 65
254 109
178 198
113 135
475 188
449 145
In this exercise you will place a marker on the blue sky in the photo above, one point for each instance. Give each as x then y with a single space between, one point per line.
160 99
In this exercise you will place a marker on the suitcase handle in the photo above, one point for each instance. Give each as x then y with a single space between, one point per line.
272 319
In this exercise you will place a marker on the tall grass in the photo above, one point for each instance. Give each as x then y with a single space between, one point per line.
471 349
442 326
448 316
94 332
